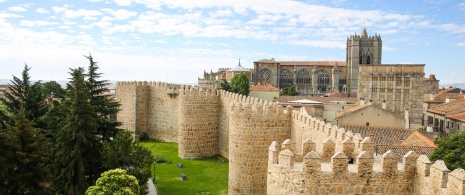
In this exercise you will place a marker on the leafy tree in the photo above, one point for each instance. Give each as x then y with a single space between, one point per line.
28 159
126 154
224 85
53 88
115 181
22 94
77 149
290 91
104 107
6 156
451 149
240 84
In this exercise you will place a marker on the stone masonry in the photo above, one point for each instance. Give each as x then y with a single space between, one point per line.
315 157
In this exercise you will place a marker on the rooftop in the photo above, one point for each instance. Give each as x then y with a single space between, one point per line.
381 135
445 108
263 86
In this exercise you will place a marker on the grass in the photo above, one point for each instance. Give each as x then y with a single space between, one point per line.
206 176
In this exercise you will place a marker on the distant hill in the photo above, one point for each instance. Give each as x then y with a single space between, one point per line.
457 85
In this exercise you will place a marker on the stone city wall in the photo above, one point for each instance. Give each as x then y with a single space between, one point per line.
366 175
253 125
198 123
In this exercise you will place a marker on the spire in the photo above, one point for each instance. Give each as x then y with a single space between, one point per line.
364 33
239 62
335 65
314 67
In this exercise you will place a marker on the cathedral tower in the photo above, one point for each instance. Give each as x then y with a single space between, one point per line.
361 50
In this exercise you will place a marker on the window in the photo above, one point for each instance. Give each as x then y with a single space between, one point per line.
303 77
323 78
286 77
398 80
406 81
368 59
383 78
265 75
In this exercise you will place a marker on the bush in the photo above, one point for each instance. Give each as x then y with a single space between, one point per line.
160 159
144 136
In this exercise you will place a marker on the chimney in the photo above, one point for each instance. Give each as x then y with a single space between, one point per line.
407 120
447 100
431 96
362 101
384 104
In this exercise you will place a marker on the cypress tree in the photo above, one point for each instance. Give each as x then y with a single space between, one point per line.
77 149
106 110
28 158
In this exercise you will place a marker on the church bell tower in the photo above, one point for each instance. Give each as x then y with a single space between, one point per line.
362 50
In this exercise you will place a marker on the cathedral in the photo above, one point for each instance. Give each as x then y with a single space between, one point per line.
398 88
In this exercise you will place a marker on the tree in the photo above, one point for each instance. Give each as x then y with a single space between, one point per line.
126 154
289 91
224 85
451 149
52 118
240 84
28 158
52 88
115 181
77 148
22 94
106 109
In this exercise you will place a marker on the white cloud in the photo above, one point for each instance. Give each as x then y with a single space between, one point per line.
123 2
58 9
222 13
461 44
461 6
29 23
17 9
1 1
85 14
120 14
452 28
42 10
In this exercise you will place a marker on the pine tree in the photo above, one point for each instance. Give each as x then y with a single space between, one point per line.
22 94
106 109
28 158
77 149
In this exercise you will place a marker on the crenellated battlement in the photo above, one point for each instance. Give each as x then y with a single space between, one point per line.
367 174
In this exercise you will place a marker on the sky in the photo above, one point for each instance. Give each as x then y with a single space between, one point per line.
176 40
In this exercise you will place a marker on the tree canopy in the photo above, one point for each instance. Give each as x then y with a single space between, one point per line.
240 84
77 149
115 181
451 149
289 91
126 154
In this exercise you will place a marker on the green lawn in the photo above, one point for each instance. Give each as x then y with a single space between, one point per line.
206 176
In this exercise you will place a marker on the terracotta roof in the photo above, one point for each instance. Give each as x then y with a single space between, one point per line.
442 97
319 99
459 116
418 139
400 151
380 135
263 86
342 95
353 109
311 63
444 108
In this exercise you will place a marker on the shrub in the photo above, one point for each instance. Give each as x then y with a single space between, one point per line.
160 159
144 136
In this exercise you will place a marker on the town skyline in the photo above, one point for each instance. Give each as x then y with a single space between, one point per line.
176 41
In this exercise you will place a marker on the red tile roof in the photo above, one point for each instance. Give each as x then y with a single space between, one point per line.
381 135
445 108
263 86
351 99
353 109
459 116
418 139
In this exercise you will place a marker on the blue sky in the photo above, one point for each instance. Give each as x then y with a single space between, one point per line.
175 40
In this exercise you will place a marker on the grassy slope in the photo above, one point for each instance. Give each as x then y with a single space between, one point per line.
206 175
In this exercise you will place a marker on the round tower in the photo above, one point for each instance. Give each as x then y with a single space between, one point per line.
198 127
252 129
